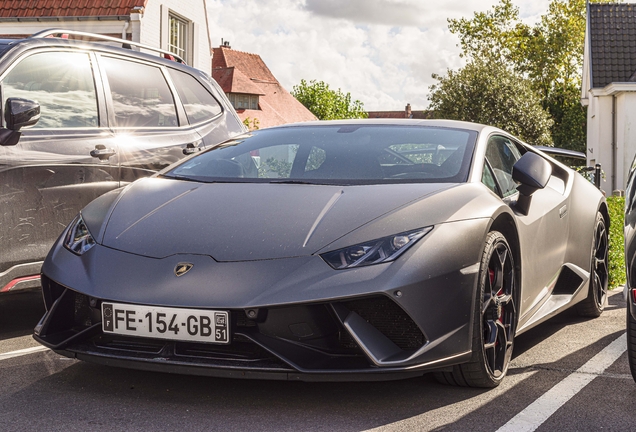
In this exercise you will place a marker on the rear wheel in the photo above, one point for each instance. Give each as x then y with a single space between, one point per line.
594 304
494 319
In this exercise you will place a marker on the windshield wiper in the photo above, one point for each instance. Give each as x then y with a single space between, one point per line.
290 181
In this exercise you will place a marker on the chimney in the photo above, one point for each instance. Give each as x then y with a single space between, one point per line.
408 111
225 44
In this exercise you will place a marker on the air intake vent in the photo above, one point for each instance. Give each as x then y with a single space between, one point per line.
390 319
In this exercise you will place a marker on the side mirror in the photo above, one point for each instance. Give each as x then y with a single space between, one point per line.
19 113
533 173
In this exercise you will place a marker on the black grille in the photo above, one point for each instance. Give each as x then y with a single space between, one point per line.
390 319
82 311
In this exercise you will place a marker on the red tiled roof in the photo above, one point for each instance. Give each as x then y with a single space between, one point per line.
233 80
64 8
400 114
241 72
387 114
250 64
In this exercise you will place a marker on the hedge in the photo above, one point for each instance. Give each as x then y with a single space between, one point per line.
616 242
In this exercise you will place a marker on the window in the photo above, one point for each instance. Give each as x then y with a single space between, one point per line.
140 93
339 154
178 37
502 154
316 158
62 83
243 101
489 180
198 103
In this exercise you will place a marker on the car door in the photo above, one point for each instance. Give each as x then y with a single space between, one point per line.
61 163
146 116
544 230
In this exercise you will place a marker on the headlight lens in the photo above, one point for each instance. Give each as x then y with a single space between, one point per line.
78 238
374 252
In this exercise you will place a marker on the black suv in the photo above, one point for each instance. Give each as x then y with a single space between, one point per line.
81 118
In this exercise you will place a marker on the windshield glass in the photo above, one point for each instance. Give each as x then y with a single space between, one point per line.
337 154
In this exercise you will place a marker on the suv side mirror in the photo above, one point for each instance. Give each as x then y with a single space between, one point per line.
533 173
19 113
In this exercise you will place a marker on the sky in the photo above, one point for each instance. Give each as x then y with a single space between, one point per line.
383 52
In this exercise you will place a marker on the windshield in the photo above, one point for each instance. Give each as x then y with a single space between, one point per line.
337 154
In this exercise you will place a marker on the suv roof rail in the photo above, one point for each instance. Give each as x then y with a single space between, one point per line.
55 31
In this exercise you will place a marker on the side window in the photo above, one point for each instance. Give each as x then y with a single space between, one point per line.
198 103
140 93
488 179
61 82
276 161
502 154
316 158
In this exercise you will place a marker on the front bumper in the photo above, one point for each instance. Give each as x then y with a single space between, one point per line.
368 338
378 322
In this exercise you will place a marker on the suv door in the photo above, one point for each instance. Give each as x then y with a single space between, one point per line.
60 164
146 116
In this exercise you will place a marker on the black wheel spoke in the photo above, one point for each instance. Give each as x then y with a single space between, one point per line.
499 313
490 338
600 270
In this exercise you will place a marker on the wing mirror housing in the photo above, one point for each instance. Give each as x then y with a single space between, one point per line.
18 113
532 172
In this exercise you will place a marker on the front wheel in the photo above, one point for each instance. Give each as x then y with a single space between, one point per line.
494 319
594 304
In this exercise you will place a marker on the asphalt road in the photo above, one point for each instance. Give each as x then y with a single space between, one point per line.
42 391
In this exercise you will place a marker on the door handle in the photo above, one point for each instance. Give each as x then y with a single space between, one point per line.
102 152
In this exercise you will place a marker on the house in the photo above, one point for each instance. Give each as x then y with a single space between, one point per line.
257 96
407 113
179 26
609 90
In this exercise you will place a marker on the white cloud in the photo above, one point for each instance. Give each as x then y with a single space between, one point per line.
381 51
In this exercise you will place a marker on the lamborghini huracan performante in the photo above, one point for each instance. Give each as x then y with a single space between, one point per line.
345 250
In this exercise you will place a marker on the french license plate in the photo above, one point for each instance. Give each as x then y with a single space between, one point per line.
196 325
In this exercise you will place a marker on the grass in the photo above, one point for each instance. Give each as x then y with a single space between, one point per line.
616 242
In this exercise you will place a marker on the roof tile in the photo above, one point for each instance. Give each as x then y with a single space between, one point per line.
612 33
62 8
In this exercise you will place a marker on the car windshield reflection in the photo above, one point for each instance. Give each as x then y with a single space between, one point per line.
337 154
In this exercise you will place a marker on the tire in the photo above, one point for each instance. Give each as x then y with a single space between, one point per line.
594 304
631 338
494 319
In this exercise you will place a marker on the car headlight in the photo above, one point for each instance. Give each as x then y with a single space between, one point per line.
375 251
78 238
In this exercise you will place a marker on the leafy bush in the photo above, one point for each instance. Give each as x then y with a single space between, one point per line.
616 242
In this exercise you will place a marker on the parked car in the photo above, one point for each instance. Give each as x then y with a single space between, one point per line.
369 249
629 291
84 118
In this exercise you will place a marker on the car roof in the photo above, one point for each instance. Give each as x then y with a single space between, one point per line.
27 43
393 122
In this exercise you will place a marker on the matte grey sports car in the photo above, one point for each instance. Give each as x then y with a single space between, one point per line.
331 250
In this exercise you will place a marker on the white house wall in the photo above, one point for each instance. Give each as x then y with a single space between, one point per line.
599 137
31 27
154 28
626 135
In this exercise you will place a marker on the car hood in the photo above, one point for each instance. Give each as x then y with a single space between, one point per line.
159 217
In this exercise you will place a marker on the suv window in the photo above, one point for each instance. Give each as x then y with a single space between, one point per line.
502 154
61 82
199 104
141 96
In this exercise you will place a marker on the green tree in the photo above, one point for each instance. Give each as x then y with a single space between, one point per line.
325 103
487 91
549 54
